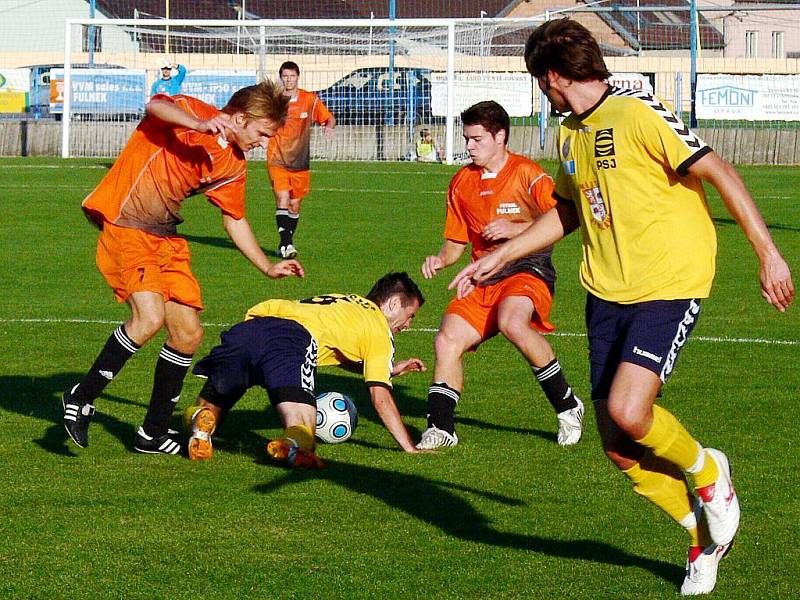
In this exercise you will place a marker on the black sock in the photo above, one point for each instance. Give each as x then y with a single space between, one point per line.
118 349
285 225
442 400
555 386
171 368
294 221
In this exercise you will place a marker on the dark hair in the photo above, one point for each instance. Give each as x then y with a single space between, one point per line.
291 66
567 48
264 100
490 114
392 284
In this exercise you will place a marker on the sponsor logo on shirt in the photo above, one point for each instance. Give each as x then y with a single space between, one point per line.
508 208
597 205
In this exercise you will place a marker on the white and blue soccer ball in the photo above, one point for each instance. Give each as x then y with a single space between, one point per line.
337 417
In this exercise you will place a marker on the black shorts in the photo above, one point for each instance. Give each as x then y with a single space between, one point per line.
276 354
648 334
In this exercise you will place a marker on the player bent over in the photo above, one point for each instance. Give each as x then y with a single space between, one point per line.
279 346
182 147
489 201
631 177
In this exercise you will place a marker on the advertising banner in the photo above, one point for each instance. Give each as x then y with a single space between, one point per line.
100 91
14 87
633 81
216 87
511 90
748 97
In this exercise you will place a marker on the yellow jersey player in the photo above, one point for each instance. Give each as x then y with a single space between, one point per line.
279 346
631 178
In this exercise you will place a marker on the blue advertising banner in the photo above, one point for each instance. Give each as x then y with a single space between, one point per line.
216 87
100 91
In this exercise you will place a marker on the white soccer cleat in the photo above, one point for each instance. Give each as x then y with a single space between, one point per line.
570 425
433 438
204 423
288 251
720 503
701 569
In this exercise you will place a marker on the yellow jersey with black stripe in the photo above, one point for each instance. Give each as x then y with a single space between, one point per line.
646 227
346 327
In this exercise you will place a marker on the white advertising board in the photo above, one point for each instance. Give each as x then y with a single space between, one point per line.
511 90
748 97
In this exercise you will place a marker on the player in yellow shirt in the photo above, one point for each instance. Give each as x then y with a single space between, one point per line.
279 346
631 179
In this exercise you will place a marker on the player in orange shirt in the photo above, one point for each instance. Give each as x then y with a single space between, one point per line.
182 147
489 201
289 155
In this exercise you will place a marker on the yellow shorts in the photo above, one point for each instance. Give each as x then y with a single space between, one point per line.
479 308
132 260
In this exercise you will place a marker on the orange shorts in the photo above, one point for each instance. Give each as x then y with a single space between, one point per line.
132 260
297 183
479 308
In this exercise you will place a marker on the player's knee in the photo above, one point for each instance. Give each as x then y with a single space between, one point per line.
515 330
447 347
627 415
191 339
144 325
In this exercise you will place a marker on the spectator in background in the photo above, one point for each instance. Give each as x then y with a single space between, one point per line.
168 84
427 150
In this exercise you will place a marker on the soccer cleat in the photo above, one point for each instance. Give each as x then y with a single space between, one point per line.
288 251
701 569
286 451
204 422
570 425
433 438
76 418
720 504
163 444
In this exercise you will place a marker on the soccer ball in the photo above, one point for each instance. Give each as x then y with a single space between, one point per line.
336 417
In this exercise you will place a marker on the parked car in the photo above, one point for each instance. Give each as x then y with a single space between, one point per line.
374 95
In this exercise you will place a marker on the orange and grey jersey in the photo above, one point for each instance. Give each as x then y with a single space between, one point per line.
290 148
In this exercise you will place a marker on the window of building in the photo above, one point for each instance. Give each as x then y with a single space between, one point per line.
750 44
777 44
91 38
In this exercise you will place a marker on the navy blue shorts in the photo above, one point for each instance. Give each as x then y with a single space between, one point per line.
648 334
276 354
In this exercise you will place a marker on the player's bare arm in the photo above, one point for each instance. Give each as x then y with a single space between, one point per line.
384 404
450 252
553 225
503 229
172 114
408 365
777 287
241 234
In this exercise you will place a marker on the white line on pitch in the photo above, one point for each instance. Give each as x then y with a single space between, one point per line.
698 338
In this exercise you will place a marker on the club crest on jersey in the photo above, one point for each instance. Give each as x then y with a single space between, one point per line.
592 193
565 148
304 115
604 143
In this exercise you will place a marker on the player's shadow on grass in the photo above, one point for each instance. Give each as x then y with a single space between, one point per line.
434 502
728 221
222 242
40 398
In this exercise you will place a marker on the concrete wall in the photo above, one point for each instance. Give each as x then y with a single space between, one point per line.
43 138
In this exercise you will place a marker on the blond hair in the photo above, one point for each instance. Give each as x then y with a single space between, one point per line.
264 100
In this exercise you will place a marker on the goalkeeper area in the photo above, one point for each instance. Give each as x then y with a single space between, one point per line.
505 514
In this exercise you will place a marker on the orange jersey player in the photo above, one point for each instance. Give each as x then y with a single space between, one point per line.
491 200
182 147
289 155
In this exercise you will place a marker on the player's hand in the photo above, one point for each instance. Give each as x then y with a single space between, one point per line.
500 229
431 265
222 124
286 268
329 132
470 276
407 366
777 287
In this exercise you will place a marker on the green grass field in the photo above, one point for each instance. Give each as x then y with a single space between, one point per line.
506 514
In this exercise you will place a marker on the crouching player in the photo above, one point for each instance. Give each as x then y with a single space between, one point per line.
279 346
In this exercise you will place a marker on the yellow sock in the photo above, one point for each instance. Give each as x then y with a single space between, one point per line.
663 484
708 473
301 435
668 438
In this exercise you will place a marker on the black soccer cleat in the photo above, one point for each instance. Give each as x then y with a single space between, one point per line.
76 418
163 444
